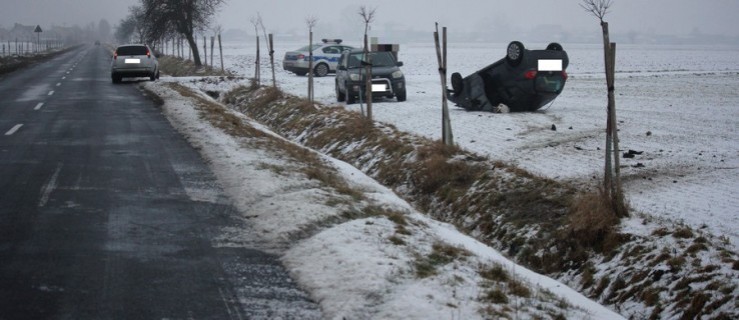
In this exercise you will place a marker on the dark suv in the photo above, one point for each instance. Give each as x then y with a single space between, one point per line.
387 79
525 80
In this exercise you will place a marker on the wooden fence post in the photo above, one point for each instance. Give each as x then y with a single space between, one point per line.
446 125
220 50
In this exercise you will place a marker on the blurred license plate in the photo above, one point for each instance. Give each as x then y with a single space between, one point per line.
379 87
133 60
550 65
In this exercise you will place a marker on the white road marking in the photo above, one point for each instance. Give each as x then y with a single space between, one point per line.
38 106
14 129
49 187
64 78
51 92
58 84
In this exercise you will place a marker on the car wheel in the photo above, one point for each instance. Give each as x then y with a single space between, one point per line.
321 70
457 83
350 99
340 97
555 46
300 73
514 53
153 77
116 78
400 95
157 73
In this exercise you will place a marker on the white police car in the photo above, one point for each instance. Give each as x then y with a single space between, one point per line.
325 58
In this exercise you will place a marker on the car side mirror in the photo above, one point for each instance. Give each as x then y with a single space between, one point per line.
399 64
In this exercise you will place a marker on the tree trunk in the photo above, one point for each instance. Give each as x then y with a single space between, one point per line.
608 177
612 179
310 65
368 82
194 49
272 60
220 51
446 126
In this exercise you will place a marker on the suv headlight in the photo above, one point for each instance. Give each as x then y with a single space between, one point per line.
354 77
398 74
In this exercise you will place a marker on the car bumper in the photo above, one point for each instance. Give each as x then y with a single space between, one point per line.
382 87
295 65
133 72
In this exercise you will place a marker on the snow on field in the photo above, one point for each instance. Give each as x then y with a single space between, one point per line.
677 104
352 269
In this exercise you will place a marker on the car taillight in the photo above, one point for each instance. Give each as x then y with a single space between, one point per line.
115 55
148 54
530 74
564 74
301 56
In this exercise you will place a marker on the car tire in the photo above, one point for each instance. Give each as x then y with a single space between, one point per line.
300 73
340 96
116 78
320 70
514 53
457 83
153 77
555 47
400 95
350 98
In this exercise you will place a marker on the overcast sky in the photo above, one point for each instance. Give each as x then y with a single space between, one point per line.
644 16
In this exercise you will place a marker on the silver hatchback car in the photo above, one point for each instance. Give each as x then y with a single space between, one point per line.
134 60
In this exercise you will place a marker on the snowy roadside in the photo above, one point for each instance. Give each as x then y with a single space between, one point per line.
359 258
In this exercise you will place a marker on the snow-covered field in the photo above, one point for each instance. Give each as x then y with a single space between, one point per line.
352 269
679 105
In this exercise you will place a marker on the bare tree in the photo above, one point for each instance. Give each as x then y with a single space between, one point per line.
612 179
184 17
268 41
256 21
311 22
598 8
368 16
132 26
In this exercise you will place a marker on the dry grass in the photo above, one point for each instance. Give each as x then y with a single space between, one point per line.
592 222
178 67
312 167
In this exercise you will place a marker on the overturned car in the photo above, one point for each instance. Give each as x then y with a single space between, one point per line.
525 80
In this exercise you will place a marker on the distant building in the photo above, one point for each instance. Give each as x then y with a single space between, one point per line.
21 32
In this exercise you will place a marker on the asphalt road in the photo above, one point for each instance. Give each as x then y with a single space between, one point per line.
107 213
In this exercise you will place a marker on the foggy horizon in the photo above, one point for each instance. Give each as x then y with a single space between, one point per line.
657 17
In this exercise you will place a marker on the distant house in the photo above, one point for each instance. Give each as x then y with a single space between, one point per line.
22 32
